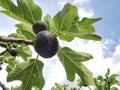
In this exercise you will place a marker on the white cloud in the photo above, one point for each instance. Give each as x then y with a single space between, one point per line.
57 74
116 55
81 2
98 65
85 13
84 9
61 4
4 32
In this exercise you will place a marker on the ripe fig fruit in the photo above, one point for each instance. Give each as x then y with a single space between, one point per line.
39 26
13 52
46 44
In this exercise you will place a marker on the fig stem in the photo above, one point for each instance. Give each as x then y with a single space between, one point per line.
16 40
37 56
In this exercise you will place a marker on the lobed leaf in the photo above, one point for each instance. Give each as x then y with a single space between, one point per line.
69 25
30 73
72 62
25 11
64 19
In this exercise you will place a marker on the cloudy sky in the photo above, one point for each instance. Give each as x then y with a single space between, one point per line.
106 52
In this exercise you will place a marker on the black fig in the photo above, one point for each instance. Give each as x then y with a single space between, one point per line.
46 44
0 67
39 26
13 52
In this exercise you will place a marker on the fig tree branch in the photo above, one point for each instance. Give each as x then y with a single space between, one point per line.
16 40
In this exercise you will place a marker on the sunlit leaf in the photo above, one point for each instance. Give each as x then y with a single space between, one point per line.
12 62
65 19
16 35
72 62
16 88
114 88
25 30
30 73
69 25
25 11
91 37
88 21
51 25
107 73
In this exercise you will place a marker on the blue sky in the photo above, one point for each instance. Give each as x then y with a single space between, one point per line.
106 53
109 26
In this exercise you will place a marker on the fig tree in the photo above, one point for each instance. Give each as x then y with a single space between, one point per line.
39 26
46 44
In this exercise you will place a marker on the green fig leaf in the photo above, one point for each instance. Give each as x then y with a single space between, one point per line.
51 25
72 62
24 51
66 18
16 35
25 30
25 11
30 73
85 22
12 63
69 26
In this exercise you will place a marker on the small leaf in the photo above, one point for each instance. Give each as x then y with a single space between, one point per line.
30 73
12 62
100 87
16 88
107 73
56 19
25 30
51 25
25 10
2 44
24 51
72 62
